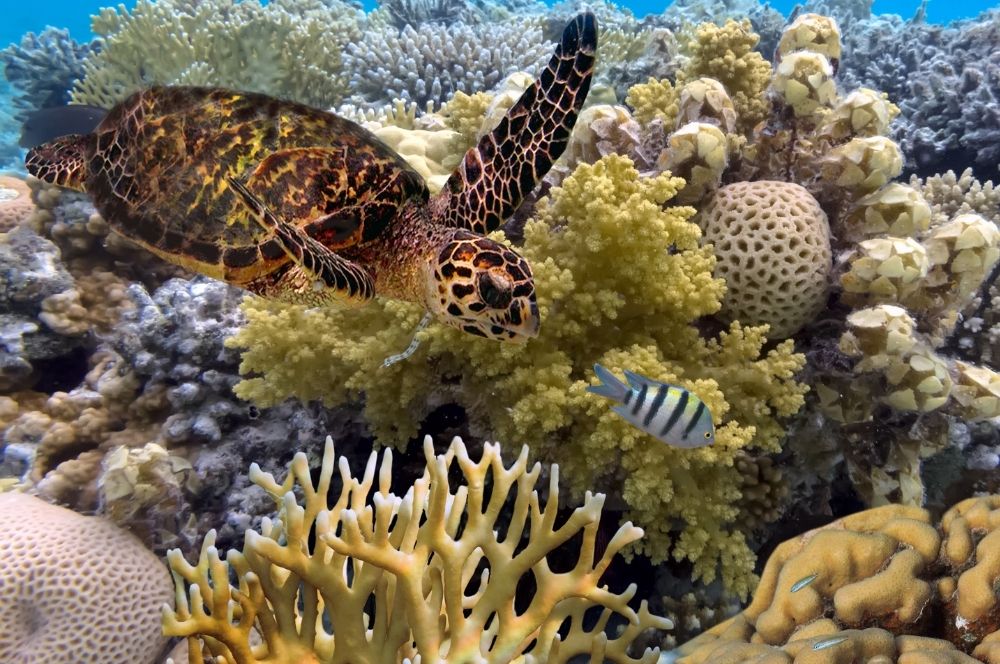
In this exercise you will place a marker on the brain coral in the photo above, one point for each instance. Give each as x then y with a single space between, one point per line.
773 248
76 588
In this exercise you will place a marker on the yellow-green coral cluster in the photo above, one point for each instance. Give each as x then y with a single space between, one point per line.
861 588
372 576
620 280
286 48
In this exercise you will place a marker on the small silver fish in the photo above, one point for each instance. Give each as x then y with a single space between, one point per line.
803 582
669 413
829 643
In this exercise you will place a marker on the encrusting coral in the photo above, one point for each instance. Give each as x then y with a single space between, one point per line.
427 576
73 586
884 585
621 279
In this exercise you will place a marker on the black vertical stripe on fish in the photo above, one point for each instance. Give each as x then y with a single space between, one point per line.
661 394
676 414
698 412
640 400
628 397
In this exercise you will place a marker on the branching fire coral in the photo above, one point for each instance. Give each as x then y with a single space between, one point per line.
620 281
427 576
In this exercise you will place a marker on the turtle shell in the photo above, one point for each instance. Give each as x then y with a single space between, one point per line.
161 161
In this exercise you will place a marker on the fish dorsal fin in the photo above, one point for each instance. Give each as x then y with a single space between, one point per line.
496 175
63 161
636 381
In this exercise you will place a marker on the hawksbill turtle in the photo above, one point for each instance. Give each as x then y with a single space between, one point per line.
297 204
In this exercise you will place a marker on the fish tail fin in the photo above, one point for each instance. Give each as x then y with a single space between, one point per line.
62 161
610 386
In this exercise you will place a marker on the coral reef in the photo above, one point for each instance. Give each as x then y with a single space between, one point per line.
886 584
43 69
287 48
391 576
596 307
433 63
912 61
73 585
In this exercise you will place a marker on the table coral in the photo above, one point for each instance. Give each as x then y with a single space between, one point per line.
73 586
426 576
866 586
596 306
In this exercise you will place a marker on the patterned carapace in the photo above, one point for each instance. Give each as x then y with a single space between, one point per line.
298 204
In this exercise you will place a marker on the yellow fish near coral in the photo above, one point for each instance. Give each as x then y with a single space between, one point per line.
669 413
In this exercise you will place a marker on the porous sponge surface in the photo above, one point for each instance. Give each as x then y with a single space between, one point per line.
772 242
75 588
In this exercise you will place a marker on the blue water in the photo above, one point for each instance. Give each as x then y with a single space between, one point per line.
22 17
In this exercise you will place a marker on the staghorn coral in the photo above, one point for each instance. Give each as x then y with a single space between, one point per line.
596 307
73 585
435 62
43 69
286 48
391 577
950 195
883 585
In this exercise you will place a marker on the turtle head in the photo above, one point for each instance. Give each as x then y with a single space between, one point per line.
62 161
484 288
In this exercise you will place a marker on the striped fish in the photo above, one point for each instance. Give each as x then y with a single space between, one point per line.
667 412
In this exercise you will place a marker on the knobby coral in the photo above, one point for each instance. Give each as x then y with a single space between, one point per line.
427 576
620 280
882 585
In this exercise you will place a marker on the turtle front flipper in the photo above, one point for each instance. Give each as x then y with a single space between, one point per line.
318 274
496 175
62 162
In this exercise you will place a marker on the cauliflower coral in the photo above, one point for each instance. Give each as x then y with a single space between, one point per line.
621 279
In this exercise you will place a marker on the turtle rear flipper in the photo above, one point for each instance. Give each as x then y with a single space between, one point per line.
62 162
496 175
318 274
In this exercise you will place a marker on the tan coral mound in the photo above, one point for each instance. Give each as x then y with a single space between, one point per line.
15 202
884 585
772 242
76 588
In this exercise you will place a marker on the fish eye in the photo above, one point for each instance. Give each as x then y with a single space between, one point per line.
707 435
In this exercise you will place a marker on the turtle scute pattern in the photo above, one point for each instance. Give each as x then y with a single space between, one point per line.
162 159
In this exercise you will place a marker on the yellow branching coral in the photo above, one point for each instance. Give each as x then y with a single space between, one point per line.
620 280
654 100
427 576
726 53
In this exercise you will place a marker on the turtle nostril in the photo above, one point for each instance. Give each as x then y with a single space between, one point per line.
494 291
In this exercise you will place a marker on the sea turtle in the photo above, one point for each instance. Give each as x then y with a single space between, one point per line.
298 204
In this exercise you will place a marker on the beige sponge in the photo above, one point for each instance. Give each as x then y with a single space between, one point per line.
76 588
772 243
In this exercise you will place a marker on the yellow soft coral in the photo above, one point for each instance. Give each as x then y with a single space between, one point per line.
726 53
620 280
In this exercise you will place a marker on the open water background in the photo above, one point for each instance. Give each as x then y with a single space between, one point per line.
21 17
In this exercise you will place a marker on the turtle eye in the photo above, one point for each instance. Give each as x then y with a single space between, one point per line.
494 290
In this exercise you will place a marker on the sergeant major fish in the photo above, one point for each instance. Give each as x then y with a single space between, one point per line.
668 412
